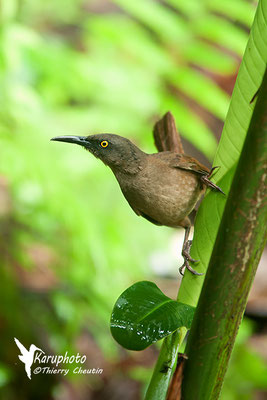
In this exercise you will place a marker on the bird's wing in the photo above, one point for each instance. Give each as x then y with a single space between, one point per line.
148 218
188 163
23 350
140 213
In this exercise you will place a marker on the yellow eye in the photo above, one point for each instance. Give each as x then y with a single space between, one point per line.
104 143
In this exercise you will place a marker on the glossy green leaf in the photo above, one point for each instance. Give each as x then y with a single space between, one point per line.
143 315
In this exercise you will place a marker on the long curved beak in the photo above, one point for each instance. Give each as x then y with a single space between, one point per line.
81 140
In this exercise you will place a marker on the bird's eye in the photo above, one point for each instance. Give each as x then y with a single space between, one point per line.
104 143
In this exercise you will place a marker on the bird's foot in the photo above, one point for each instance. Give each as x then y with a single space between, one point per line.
186 251
187 258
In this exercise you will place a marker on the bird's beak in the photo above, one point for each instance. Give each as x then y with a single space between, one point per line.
81 140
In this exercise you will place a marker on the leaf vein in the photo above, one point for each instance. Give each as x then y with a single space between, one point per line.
154 309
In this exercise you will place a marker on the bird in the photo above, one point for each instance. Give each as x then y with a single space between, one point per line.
161 187
27 356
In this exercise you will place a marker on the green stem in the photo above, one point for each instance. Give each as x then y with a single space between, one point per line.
235 257
159 383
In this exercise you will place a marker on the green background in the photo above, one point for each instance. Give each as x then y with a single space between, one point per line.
69 243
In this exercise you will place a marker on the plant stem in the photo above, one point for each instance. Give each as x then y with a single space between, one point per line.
159 383
238 247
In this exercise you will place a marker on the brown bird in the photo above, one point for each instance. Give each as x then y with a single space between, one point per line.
162 187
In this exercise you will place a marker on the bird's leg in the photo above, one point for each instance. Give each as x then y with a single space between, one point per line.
186 254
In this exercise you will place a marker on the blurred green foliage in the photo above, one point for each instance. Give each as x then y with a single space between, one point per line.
247 371
69 243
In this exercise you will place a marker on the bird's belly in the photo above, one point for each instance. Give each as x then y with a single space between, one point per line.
162 200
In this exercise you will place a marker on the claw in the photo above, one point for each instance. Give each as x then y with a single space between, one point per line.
186 254
186 251
193 260
187 266
181 269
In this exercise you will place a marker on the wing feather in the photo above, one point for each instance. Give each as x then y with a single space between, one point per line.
188 163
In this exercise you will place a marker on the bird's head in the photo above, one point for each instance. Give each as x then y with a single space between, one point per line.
115 151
